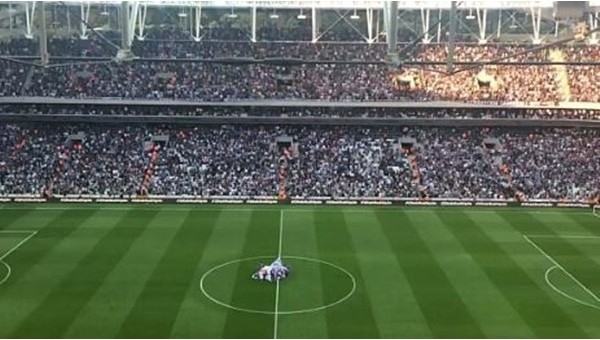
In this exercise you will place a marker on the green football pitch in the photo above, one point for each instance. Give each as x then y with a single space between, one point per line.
158 271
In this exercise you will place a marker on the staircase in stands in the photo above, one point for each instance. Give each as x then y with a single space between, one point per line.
149 171
561 75
64 153
416 173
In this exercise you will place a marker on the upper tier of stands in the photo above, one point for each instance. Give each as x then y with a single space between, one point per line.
370 80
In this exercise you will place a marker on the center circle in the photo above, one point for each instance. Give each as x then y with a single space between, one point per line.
299 265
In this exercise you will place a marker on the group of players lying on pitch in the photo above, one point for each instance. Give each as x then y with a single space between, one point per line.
274 272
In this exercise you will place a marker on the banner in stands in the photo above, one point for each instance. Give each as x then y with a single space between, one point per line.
370 201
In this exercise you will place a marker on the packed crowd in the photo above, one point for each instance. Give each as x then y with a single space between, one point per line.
160 76
12 78
214 82
325 161
458 164
273 111
554 163
228 82
584 80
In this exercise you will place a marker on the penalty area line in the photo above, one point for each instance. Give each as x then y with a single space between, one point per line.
584 237
11 250
584 287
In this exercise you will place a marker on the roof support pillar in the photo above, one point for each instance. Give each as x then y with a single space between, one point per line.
85 16
254 22
390 13
29 19
197 21
141 20
43 35
369 14
128 17
593 38
482 23
499 30
134 10
316 24
439 26
451 36
536 19
68 19
10 16
425 16
377 26
124 25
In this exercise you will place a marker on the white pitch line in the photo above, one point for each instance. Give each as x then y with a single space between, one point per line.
17 231
5 255
562 268
566 236
276 312
10 251
280 233
470 210
559 291
276 321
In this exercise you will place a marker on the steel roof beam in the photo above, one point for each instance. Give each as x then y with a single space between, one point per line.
345 4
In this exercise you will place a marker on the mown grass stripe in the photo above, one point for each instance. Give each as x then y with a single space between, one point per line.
155 309
300 239
589 222
496 317
562 250
335 245
37 281
445 311
262 239
9 216
396 310
49 234
225 243
103 314
558 224
55 314
518 288
565 251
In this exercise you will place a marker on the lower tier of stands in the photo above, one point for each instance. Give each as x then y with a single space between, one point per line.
319 161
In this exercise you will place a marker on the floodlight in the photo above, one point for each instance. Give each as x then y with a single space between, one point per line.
470 16
232 15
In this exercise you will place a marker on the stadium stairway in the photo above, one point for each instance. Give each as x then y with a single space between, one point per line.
64 154
19 146
416 173
561 75
154 154
284 168
27 81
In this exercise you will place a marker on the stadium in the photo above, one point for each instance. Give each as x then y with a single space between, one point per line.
299 169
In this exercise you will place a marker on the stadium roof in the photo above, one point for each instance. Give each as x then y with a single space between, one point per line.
343 4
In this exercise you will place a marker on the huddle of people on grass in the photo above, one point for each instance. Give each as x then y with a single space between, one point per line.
337 162
368 81
276 271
